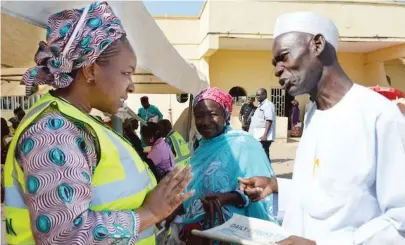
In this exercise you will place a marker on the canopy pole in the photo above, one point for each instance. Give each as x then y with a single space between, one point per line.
117 124
190 114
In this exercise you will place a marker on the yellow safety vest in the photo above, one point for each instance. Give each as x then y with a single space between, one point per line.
183 153
120 181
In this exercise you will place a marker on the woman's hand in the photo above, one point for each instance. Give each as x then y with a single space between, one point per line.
171 217
258 188
166 197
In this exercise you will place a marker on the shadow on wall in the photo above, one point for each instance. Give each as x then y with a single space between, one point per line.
285 176
281 160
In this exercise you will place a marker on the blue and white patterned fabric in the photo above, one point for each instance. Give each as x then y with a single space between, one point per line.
217 164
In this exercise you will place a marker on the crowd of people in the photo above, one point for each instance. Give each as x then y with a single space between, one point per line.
69 179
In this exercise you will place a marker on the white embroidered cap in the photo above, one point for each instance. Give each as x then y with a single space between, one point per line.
307 22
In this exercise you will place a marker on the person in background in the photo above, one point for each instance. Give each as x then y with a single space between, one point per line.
160 153
349 171
14 123
295 119
246 112
308 107
388 80
5 136
179 146
130 126
5 140
190 134
148 112
263 125
99 118
68 178
19 113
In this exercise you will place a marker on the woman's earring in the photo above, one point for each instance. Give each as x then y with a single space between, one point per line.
90 81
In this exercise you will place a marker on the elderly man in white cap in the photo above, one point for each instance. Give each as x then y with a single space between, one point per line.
348 184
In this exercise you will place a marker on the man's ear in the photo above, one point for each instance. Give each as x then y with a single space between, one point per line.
89 73
319 44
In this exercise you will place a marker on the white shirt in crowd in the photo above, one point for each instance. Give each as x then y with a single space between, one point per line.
349 175
264 112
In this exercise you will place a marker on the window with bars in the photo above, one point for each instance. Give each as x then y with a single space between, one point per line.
13 102
277 96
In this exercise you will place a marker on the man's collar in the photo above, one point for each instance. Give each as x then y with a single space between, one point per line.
264 101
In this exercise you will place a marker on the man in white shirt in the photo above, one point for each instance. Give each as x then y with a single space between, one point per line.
263 124
348 185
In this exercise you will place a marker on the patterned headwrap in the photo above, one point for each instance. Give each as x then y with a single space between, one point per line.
217 95
74 38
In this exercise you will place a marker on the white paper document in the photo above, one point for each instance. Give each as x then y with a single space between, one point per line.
246 231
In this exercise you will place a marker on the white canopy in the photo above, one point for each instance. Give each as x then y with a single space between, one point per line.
153 50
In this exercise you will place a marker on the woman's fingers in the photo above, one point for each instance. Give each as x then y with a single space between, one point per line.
181 198
167 179
181 186
180 180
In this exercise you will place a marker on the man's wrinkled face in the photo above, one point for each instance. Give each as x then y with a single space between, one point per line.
296 65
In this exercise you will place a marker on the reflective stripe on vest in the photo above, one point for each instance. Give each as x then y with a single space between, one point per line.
125 190
181 155
128 186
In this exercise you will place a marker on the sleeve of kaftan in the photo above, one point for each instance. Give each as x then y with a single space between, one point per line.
254 162
57 159
389 227
160 115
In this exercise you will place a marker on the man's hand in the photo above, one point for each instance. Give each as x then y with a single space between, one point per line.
259 187
263 138
295 240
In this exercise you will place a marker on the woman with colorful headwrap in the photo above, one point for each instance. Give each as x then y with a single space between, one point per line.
223 156
70 179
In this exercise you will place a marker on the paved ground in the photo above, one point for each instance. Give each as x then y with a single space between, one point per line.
282 156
